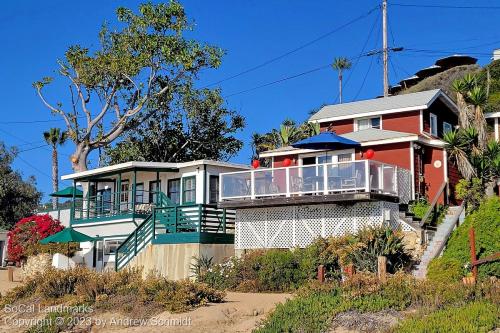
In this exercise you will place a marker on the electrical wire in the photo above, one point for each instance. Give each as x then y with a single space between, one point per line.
303 46
396 4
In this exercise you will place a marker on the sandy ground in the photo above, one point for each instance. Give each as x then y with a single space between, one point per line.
241 312
5 285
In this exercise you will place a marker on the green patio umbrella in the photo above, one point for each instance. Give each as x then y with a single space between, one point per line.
67 235
68 193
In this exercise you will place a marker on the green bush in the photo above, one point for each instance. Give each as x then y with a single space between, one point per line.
475 317
486 223
445 270
125 290
419 208
311 313
285 270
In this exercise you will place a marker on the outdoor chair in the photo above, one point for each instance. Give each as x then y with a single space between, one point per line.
297 184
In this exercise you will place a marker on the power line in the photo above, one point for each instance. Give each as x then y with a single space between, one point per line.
360 54
267 62
441 6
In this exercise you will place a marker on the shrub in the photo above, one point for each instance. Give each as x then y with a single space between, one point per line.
419 208
124 290
486 223
379 241
25 235
475 317
445 270
471 192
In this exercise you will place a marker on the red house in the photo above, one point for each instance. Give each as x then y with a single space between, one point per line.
308 193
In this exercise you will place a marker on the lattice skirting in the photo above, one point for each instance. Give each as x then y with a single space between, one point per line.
299 226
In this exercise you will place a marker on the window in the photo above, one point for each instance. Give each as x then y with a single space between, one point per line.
189 190
174 190
139 193
124 195
433 124
447 127
213 189
110 246
154 188
367 123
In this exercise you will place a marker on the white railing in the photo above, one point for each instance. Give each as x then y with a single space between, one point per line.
328 178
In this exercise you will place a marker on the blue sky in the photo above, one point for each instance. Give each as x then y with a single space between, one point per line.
36 33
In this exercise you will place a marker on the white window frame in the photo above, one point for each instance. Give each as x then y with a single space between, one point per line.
356 120
431 131
446 124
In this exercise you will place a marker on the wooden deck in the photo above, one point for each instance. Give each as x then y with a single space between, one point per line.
337 198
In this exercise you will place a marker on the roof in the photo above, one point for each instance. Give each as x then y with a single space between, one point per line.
399 103
373 134
365 137
166 166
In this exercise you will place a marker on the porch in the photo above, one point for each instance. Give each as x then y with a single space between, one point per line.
363 180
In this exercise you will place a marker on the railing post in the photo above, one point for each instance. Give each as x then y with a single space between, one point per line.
135 242
367 176
396 180
325 179
176 218
381 185
200 217
287 182
224 220
252 184
153 216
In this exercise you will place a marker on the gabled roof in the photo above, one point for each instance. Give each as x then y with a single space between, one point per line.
366 137
392 104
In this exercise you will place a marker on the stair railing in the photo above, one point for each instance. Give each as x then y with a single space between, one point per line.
433 207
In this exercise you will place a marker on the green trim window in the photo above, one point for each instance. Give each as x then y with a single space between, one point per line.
174 190
213 189
139 193
154 188
189 190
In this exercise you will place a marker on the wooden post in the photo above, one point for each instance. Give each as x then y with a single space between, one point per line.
473 258
321 273
382 268
10 273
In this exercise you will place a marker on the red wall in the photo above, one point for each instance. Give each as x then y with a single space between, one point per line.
392 153
433 177
443 113
278 160
339 126
453 178
408 122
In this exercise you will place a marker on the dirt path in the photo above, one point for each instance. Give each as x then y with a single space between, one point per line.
240 313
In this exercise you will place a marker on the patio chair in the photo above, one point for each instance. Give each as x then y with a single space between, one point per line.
297 184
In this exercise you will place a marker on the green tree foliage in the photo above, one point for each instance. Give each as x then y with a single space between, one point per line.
288 133
18 197
486 223
202 128
143 63
55 137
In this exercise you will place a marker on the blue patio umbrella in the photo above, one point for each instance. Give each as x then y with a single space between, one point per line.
326 140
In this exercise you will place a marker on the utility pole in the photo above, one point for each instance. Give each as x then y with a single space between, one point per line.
385 51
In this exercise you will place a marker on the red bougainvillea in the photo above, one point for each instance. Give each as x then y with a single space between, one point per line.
24 236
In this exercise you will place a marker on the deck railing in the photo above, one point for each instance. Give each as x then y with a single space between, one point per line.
108 203
173 223
328 178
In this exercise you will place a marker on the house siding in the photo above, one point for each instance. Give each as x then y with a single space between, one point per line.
339 126
443 113
407 122
454 177
393 153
